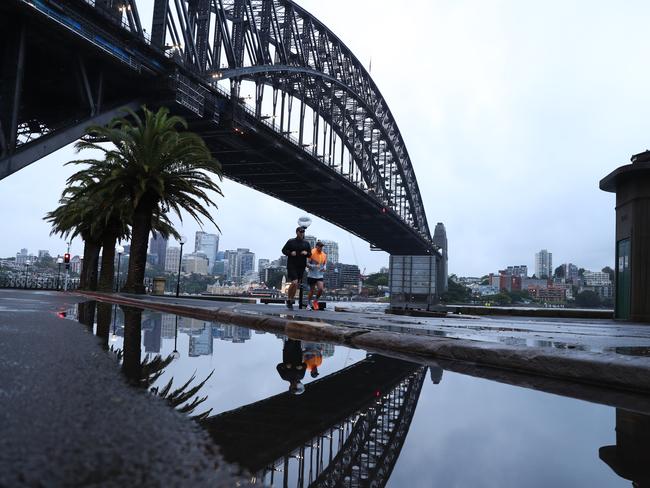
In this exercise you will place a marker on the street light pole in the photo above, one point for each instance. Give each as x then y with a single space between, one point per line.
181 241
176 354
59 261
120 250
27 263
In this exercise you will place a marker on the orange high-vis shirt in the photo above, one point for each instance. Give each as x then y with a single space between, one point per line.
318 256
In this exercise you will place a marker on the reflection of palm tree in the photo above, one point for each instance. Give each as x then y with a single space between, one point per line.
104 313
86 314
144 373
179 396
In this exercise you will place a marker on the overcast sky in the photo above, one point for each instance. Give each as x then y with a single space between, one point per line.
512 111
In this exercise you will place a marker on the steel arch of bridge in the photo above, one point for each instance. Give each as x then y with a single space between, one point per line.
204 55
277 44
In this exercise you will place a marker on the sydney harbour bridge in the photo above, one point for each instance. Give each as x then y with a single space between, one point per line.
283 104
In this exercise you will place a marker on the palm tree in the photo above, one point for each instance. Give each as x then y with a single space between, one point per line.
74 216
156 165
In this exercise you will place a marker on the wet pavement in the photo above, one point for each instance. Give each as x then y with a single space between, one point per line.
601 335
67 418
293 412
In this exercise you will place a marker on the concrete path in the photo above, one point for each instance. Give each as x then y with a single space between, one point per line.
67 417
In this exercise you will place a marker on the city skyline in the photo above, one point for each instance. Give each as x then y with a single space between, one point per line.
173 253
478 116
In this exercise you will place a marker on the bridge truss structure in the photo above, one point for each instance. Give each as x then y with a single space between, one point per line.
360 451
282 102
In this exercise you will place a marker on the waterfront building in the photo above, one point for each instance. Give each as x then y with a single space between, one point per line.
240 263
526 283
207 244
596 278
196 262
172 256
348 275
550 294
158 248
543 264
520 270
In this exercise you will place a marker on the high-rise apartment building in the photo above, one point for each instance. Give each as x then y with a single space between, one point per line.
207 244
571 272
247 260
240 263
543 264
263 263
440 240
158 247
331 248
172 257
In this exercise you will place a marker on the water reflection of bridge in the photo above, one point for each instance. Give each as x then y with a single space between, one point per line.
346 429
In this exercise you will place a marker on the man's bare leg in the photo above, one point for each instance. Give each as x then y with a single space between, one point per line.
291 293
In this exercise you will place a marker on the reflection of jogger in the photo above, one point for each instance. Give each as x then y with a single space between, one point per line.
316 267
312 355
297 250
292 368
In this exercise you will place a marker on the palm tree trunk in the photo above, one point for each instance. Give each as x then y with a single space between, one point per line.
107 272
88 279
104 315
86 312
139 243
131 363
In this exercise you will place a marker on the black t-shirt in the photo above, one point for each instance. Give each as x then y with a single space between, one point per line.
298 261
292 367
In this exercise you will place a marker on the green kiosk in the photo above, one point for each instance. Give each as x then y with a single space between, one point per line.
631 183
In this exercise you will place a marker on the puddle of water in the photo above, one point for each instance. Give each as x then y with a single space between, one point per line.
307 414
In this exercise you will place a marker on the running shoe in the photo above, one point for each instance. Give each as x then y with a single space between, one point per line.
290 304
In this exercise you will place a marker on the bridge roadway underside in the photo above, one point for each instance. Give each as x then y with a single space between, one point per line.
260 433
257 156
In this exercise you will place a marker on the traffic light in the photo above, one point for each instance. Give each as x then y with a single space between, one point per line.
66 258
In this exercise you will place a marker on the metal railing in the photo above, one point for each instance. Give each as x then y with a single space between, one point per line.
38 283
